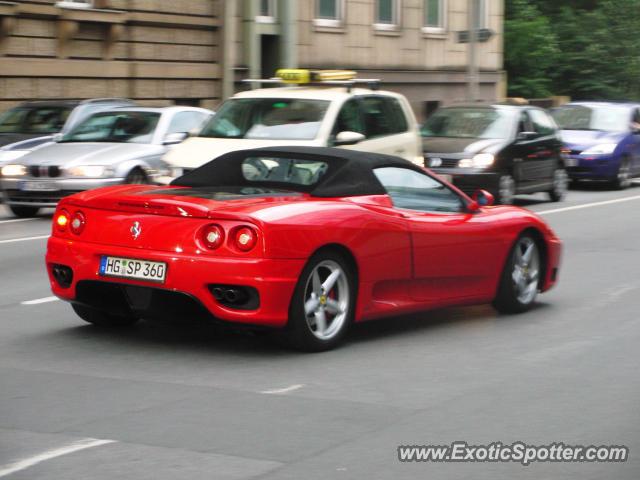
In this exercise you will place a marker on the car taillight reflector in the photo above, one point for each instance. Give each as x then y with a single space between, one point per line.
213 236
245 238
78 222
62 220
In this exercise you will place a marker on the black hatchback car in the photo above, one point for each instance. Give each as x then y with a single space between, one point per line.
505 149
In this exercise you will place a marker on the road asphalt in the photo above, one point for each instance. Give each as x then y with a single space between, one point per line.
174 400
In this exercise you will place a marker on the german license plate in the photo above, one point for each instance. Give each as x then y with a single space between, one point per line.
131 268
571 162
445 177
36 186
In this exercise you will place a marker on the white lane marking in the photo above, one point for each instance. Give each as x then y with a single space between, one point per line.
40 300
24 239
49 454
279 391
13 220
589 205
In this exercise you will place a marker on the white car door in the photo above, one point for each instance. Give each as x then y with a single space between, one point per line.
388 128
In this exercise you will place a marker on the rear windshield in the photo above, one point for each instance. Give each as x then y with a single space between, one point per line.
283 170
34 120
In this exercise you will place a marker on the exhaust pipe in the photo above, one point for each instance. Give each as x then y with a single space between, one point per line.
232 295
218 293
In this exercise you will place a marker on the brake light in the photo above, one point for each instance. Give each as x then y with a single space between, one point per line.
245 238
62 220
78 222
212 236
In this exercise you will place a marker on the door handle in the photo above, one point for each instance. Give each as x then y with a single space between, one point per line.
399 151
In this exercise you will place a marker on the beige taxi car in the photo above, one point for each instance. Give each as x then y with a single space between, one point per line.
310 108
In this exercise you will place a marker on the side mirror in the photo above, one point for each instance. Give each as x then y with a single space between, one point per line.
634 127
57 137
194 132
173 138
483 198
524 136
348 138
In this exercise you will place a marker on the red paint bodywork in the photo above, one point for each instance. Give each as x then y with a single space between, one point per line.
406 261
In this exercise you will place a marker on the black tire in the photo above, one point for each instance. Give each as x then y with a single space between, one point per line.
100 318
560 185
623 178
506 190
299 332
508 298
136 176
24 211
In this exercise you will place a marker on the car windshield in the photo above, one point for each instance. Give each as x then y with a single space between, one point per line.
283 170
608 118
268 119
115 127
469 123
45 120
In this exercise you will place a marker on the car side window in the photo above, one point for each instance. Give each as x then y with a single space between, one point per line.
183 122
524 123
413 190
349 118
383 116
542 124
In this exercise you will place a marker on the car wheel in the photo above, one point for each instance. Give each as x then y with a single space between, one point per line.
506 189
323 303
623 179
136 176
24 212
560 185
103 319
519 283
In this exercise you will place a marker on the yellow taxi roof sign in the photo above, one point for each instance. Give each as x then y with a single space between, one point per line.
300 75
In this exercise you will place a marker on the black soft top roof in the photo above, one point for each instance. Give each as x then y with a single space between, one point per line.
349 172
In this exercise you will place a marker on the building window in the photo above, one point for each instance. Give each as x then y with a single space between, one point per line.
75 4
266 11
435 16
329 13
387 15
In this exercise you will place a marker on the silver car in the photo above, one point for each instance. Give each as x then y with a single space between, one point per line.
122 145
31 125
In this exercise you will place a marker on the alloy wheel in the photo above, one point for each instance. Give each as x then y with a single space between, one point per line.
506 189
560 184
526 270
326 304
624 175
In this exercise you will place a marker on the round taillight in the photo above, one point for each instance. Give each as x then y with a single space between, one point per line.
62 220
78 222
213 236
245 238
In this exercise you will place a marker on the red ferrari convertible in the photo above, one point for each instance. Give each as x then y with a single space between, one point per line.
307 240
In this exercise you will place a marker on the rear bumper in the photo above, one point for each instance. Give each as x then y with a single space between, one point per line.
188 278
472 179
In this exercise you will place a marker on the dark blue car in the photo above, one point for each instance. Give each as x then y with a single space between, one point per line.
602 141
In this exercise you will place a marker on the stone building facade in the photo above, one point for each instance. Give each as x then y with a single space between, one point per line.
161 52
157 52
